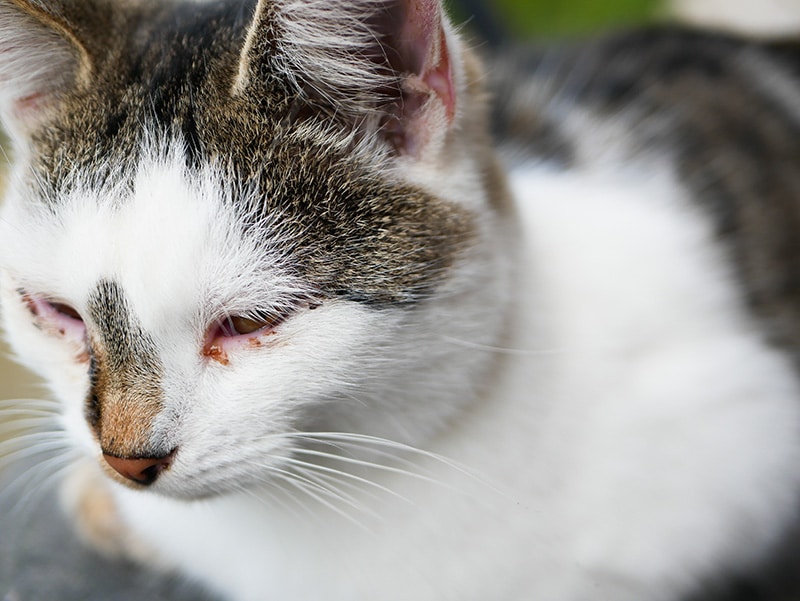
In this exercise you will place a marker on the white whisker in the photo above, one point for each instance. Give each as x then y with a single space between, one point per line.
372 442
276 496
343 474
501 350
18 454
302 477
34 480
29 405
310 491
29 437
334 485
340 482
299 497
25 423
402 458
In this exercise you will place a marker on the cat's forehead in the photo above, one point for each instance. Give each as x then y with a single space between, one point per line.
165 78
167 237
164 88
168 78
187 235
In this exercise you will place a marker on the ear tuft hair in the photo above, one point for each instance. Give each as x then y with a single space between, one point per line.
44 50
359 57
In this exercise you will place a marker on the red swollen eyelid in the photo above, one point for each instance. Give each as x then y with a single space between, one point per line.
235 332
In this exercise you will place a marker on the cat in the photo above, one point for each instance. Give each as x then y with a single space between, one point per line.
334 309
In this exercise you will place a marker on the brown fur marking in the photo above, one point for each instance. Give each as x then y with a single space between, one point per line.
126 395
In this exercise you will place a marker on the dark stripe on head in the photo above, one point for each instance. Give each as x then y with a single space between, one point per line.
126 372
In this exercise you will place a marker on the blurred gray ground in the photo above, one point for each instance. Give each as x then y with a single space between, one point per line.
42 560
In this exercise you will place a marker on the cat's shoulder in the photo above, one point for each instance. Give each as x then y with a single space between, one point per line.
719 113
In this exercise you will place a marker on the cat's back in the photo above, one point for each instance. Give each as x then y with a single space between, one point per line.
717 114
661 80
656 175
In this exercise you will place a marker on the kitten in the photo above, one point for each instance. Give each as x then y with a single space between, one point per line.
315 335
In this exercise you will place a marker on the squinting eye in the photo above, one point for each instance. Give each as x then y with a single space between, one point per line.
239 331
54 317
65 311
237 325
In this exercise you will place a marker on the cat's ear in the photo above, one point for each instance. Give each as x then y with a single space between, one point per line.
44 51
388 61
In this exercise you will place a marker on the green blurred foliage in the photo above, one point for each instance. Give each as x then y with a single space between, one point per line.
573 16
560 17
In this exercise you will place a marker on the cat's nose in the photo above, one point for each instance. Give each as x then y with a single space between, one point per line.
140 470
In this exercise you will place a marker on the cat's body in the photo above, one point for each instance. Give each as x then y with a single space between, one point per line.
579 384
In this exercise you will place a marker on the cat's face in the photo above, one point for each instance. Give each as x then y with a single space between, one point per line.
212 251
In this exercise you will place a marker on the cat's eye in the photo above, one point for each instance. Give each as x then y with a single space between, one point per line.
66 311
256 324
235 331
250 330
241 326
55 317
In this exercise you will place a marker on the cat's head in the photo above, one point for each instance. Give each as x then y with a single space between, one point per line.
231 224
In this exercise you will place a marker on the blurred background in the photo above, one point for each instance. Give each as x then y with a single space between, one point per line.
14 381
525 18
501 19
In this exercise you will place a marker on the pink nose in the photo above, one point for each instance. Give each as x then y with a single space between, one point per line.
142 471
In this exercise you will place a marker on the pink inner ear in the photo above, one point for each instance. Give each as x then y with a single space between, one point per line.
423 61
30 102
27 108
424 42
439 77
